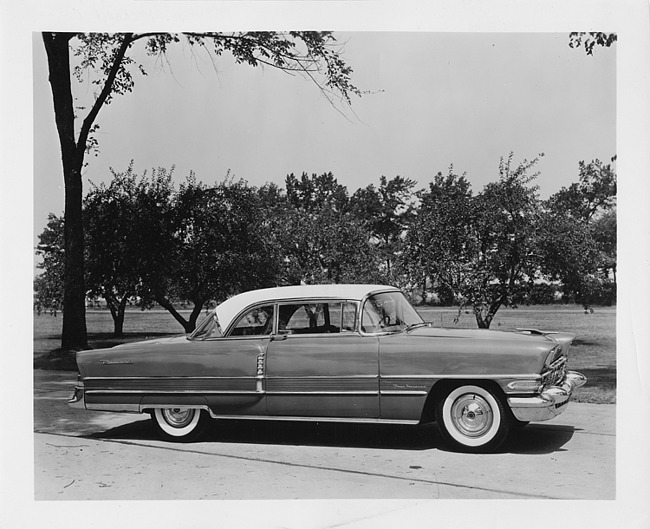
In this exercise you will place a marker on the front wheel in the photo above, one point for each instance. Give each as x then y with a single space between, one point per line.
472 419
179 424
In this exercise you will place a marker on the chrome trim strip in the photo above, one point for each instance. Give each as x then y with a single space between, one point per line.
322 393
251 377
123 408
224 392
405 392
162 377
316 377
319 377
464 376
169 392
313 419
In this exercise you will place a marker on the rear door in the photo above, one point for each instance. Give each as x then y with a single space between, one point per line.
231 369
318 365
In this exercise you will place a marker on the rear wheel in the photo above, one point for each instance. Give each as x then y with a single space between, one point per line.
179 424
472 419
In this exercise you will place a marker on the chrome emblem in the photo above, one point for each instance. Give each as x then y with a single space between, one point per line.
115 362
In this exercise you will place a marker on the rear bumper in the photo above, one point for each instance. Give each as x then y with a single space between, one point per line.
550 403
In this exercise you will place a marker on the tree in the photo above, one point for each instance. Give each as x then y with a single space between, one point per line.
580 235
568 253
217 248
594 193
591 39
325 247
120 226
316 192
387 211
481 248
319 238
603 230
440 235
505 260
48 285
312 54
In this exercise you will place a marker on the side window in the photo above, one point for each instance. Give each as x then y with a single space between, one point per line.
255 322
371 318
349 317
313 318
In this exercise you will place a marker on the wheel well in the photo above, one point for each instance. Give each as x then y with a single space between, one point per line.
441 387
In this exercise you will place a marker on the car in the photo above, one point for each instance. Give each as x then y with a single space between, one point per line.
351 353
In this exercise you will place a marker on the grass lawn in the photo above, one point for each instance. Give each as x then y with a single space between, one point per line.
593 352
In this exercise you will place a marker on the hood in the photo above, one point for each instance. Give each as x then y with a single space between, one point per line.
521 340
527 336
478 350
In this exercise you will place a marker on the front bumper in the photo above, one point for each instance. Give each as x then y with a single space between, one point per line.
77 399
550 403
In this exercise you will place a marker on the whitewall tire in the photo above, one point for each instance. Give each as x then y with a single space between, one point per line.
179 424
472 419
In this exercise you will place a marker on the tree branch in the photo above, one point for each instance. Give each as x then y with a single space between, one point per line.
106 90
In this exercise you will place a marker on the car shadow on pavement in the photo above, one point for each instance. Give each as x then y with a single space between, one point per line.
539 438
533 439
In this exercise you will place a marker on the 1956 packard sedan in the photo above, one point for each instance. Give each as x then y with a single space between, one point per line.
357 353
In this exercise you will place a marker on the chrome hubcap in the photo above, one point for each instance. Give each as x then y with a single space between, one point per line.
178 417
472 415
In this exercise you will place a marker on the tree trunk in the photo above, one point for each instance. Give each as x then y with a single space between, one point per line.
118 309
480 321
167 305
74 335
194 316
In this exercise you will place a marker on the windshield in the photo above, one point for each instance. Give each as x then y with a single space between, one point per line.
209 328
388 312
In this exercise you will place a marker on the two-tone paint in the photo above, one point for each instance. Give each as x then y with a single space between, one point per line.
345 376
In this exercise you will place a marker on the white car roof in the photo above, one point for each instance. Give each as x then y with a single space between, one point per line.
227 310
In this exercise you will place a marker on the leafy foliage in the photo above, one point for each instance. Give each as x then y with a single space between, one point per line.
321 240
48 285
504 257
105 60
580 236
594 193
589 40
387 211
218 247
480 249
603 230
440 234
126 233
315 193
147 241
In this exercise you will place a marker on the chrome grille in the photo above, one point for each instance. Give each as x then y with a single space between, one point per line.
556 373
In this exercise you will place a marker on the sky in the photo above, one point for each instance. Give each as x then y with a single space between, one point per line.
432 100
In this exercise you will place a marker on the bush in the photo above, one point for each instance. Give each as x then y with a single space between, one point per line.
596 291
445 296
542 294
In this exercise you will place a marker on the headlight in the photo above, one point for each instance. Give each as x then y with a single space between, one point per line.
553 355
